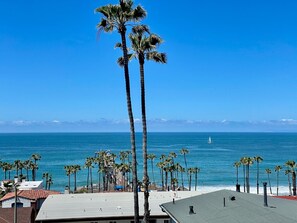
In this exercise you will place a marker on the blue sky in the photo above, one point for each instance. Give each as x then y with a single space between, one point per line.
232 66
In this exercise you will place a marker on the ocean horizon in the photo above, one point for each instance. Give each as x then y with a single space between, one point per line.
215 159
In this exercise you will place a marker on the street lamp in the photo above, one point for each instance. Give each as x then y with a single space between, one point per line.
15 185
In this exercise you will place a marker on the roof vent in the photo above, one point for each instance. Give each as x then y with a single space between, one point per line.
232 198
191 211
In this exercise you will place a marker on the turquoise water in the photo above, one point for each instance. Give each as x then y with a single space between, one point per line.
215 160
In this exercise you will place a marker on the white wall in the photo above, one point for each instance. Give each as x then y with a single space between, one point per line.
8 203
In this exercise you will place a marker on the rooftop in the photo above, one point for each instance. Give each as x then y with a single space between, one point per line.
30 194
239 207
104 205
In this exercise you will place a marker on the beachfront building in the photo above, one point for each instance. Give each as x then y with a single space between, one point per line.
30 185
24 215
116 207
226 206
26 198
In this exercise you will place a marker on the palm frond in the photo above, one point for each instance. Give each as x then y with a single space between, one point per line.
140 29
118 45
139 13
121 61
157 57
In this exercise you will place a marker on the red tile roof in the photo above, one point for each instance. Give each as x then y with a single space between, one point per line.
30 194
294 198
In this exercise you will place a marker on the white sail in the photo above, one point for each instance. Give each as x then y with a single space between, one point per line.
209 140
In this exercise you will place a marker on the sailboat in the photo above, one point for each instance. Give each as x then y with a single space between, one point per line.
209 140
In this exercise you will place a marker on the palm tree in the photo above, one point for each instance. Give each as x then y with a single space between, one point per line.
17 164
45 176
288 172
190 171
118 17
268 171
185 151
292 165
89 166
243 161
248 161
258 159
277 169
151 157
161 166
69 170
33 167
35 157
27 164
50 182
237 164
75 169
196 170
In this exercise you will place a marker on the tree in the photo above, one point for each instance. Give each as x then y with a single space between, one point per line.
75 169
45 176
50 182
248 162
69 170
196 170
35 157
190 171
89 166
288 172
268 171
27 164
258 160
242 160
185 151
292 165
277 169
118 17
237 165
151 157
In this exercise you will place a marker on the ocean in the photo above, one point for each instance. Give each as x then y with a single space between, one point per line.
215 160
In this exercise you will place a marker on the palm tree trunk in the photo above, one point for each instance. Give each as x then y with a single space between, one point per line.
269 183
182 179
248 178
190 181
99 179
162 177
69 183
294 182
75 181
146 214
166 180
237 175
243 167
196 180
257 177
132 130
88 176
289 182
91 180
152 164
186 167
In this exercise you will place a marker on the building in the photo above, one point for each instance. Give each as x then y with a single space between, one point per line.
26 198
30 185
114 207
24 215
226 206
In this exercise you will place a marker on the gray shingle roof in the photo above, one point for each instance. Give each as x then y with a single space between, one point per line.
209 208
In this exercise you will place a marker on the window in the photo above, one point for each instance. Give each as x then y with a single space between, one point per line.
166 221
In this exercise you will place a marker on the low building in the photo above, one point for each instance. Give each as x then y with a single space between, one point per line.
105 207
24 215
30 185
226 206
26 198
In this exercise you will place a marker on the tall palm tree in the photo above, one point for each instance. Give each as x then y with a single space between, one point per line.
243 162
248 162
292 165
161 166
89 166
27 164
16 165
45 176
50 182
190 171
237 164
258 160
75 169
69 170
185 151
144 48
268 171
35 157
118 17
151 157
196 170
288 172
277 169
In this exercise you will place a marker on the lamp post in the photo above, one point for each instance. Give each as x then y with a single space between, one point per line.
15 184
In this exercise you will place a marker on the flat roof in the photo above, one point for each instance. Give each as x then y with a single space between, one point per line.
239 207
104 205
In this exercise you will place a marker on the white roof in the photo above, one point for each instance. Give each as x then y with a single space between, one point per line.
26 185
104 205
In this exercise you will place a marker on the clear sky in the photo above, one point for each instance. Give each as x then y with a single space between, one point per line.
232 66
